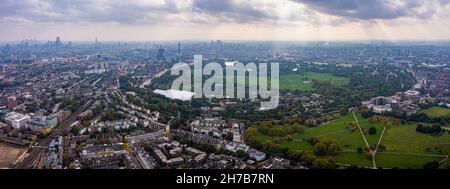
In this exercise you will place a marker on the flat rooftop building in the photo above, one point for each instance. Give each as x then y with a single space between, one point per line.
16 120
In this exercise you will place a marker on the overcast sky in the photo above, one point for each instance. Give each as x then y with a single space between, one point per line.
83 20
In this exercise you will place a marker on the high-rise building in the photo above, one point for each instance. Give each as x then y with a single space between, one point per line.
179 51
58 41
11 102
161 56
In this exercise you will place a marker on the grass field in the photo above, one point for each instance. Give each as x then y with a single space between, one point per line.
292 82
437 111
404 138
325 77
304 82
405 148
353 158
386 160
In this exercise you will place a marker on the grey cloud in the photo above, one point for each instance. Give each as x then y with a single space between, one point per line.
127 12
230 10
86 11
376 9
132 12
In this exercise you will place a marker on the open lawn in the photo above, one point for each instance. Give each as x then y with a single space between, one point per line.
326 77
437 111
405 148
304 82
404 161
353 158
295 82
365 125
292 82
337 130
404 138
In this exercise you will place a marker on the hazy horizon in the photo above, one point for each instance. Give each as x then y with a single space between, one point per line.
233 20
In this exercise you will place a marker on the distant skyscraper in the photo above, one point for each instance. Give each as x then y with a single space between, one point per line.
58 41
161 54
179 51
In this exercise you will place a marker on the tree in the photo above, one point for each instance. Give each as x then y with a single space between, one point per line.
241 154
296 155
326 147
320 149
324 164
333 149
434 129
74 130
207 148
86 123
372 130
289 138
359 150
229 136
343 111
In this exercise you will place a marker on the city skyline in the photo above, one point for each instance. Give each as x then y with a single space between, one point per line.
284 20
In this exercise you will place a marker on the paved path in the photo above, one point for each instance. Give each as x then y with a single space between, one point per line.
414 154
379 141
365 140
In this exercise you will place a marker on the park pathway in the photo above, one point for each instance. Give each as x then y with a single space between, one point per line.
365 140
379 141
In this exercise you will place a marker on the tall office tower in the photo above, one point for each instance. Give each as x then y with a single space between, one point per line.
58 41
179 51
161 54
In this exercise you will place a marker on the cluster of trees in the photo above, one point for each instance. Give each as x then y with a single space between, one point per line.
403 117
326 147
388 121
363 84
422 117
248 110
72 104
98 109
367 113
250 137
433 129
311 160
112 116
274 147
281 131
